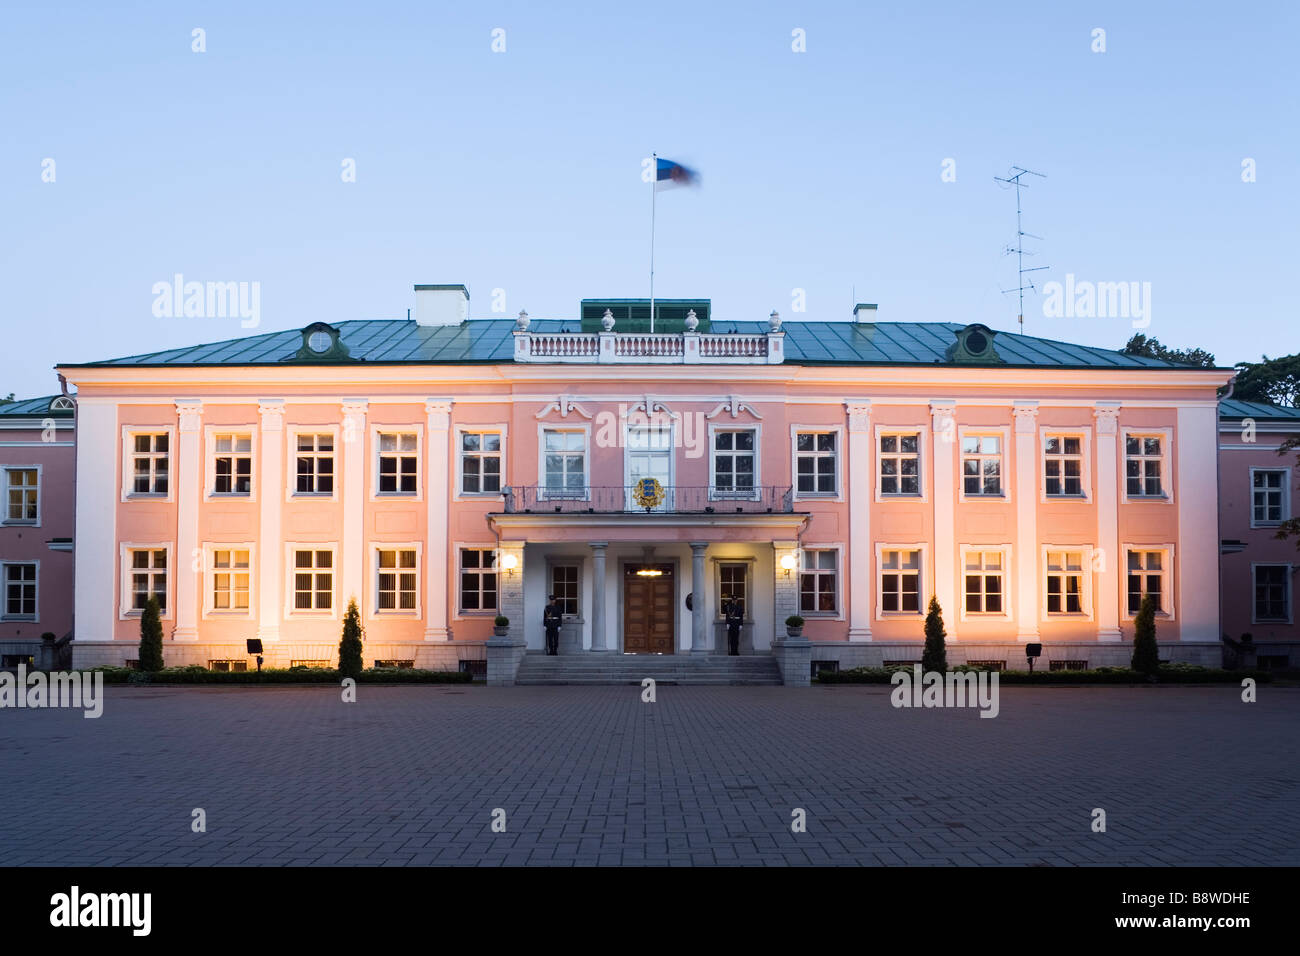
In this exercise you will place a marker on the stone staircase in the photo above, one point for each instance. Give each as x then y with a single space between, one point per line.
614 668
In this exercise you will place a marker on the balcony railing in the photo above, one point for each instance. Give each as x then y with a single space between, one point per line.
621 499
660 348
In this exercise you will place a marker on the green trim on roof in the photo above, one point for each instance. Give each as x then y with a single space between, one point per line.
1235 408
34 408
490 341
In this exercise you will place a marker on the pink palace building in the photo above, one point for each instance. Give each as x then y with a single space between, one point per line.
443 470
36 522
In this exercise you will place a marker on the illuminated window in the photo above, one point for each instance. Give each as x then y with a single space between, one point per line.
313 579
230 577
900 464
149 463
315 456
981 465
900 581
22 495
985 591
819 581
233 464
478 579
395 579
1065 582
1063 466
399 463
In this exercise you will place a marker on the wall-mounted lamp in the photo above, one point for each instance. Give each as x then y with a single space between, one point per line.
788 563
510 562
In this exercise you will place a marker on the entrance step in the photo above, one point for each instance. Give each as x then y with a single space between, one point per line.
612 668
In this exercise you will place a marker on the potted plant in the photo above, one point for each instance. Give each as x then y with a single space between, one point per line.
501 626
794 626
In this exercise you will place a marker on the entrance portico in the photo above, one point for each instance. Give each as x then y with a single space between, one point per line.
636 583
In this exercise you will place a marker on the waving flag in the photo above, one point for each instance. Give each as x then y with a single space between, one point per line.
669 175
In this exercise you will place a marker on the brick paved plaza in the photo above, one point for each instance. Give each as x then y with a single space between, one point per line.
590 775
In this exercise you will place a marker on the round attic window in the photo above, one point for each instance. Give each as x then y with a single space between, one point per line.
319 341
976 343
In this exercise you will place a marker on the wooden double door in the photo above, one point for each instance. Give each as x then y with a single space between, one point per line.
649 621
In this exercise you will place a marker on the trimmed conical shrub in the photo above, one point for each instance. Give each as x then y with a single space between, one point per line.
1146 655
151 653
935 655
350 645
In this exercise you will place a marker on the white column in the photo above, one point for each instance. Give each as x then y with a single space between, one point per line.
598 642
700 643
188 477
943 416
353 539
96 553
1025 491
437 495
1107 562
1196 495
859 484
271 501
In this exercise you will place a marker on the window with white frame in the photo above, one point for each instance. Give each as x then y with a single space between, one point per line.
22 495
981 465
1272 592
564 458
20 591
1144 465
1268 496
815 463
480 463
900 581
232 463
819 581
399 463
566 586
395 579
733 461
313 579
1147 574
478 579
733 583
230 579
315 463
1063 466
147 576
150 456
1065 582
900 463
985 577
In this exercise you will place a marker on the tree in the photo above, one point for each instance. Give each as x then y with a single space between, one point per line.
151 651
350 645
935 655
1146 654
1151 348
1272 381
8 399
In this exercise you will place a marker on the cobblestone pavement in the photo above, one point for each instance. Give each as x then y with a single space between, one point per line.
591 775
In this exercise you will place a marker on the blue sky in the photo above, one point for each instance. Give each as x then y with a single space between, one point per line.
521 170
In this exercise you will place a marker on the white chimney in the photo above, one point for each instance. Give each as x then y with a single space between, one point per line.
441 304
864 312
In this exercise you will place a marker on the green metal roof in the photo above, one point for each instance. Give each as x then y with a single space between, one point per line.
31 408
1233 408
397 341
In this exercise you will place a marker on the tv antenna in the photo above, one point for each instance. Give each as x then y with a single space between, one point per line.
1014 178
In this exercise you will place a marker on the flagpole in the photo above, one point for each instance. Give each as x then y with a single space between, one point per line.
654 190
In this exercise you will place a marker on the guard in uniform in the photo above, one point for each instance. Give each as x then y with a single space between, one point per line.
735 616
552 618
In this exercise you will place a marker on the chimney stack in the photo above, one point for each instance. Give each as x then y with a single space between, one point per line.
441 304
864 312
